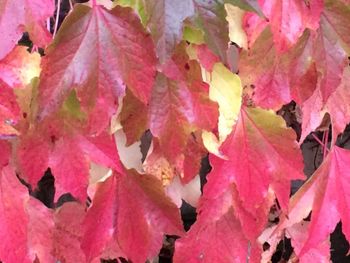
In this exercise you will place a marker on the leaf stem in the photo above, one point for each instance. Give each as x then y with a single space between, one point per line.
325 149
71 5
57 18
48 24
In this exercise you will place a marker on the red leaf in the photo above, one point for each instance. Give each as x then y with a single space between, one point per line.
33 156
325 193
25 223
314 109
70 169
5 154
216 236
206 57
9 110
101 149
214 241
13 218
257 159
338 106
288 20
39 231
24 15
261 67
180 101
177 106
68 233
134 212
44 147
331 58
98 52
165 23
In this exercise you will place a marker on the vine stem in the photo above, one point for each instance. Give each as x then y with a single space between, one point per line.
57 17
320 142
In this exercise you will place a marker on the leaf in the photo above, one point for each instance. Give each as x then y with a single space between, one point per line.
134 213
9 110
43 147
133 118
325 194
19 67
294 75
216 241
205 57
180 102
70 169
235 20
13 219
209 16
337 14
137 5
226 90
67 233
39 230
165 23
248 5
330 65
17 17
338 107
24 222
315 109
32 156
5 154
98 52
261 68
287 19
257 160
190 192
216 236
298 234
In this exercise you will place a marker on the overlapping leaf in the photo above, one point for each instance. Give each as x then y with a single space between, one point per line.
133 215
19 67
210 16
165 22
180 101
98 52
326 195
287 19
25 223
9 110
256 164
217 234
45 148
17 17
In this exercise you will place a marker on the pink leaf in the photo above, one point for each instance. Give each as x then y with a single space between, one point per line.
133 211
17 17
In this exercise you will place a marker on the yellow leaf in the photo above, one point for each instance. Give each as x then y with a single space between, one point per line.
234 18
226 90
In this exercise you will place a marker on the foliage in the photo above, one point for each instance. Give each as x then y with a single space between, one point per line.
203 77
